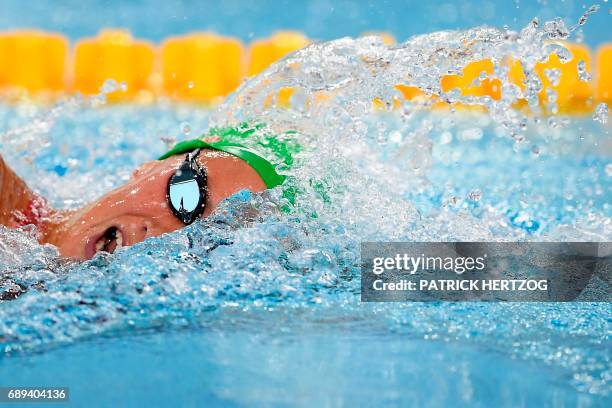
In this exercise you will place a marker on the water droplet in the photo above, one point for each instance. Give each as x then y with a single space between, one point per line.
475 195
583 75
185 128
553 75
535 150
593 9
518 138
609 169
556 29
450 202
601 113
169 141
562 52
470 134
190 85
395 137
446 137
110 85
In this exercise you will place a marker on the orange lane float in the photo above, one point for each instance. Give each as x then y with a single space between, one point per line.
34 61
205 67
604 74
566 85
114 54
570 80
262 53
474 80
201 67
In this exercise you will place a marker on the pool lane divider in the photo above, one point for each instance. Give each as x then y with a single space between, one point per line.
205 67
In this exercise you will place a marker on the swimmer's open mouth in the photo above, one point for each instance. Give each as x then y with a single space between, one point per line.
111 240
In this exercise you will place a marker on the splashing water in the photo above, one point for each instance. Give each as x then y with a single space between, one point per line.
393 170
601 113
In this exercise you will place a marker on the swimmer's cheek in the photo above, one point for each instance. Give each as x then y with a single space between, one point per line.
143 169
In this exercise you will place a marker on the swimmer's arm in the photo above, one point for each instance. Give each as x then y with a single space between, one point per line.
15 197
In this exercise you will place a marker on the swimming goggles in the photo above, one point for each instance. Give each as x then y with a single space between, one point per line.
263 167
187 189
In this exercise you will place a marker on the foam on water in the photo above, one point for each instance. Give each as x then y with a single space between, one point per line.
404 173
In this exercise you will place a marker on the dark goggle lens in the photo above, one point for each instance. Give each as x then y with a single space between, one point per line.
187 193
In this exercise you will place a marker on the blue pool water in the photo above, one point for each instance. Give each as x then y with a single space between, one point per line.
265 309
311 364
222 314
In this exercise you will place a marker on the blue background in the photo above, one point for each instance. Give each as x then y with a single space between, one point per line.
319 19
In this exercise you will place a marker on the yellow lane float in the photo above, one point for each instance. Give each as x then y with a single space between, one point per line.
569 81
262 53
114 54
205 67
604 74
201 67
33 61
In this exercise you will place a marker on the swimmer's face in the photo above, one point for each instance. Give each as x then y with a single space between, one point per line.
139 209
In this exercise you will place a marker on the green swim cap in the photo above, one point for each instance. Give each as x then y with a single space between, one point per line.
265 169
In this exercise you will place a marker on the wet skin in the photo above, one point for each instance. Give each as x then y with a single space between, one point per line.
139 209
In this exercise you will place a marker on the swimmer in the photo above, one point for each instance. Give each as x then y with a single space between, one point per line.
185 184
